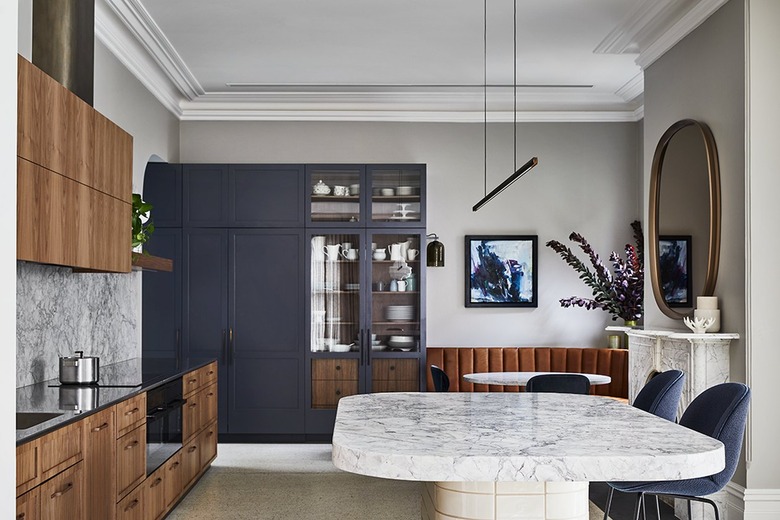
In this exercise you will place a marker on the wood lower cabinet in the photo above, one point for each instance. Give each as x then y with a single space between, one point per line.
154 495
28 466
191 415
60 449
191 460
28 506
99 474
62 497
130 414
130 461
173 480
395 375
208 443
332 379
132 506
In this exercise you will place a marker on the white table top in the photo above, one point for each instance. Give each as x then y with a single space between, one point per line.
452 436
521 378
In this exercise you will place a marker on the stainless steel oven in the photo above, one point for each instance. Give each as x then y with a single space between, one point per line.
164 406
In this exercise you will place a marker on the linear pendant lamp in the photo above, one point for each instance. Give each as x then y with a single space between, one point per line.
519 172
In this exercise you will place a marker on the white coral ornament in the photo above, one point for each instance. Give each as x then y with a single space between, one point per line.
698 325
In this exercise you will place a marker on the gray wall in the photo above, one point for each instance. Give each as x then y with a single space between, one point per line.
587 180
703 78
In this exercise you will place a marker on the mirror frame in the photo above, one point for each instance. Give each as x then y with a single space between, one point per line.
714 212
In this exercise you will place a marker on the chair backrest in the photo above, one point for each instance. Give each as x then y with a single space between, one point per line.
441 382
559 383
721 412
661 395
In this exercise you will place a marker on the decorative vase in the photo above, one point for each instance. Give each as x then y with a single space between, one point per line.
629 323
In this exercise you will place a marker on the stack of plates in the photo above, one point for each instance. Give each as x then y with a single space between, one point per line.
402 342
351 286
399 312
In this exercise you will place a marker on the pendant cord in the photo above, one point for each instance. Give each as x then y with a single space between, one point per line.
484 92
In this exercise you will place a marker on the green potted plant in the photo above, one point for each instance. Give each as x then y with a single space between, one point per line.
143 227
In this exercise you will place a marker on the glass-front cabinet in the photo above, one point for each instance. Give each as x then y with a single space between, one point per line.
366 196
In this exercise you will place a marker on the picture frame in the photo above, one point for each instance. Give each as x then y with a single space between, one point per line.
501 271
675 269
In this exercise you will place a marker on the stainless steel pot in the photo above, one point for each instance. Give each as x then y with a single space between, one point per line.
79 398
79 370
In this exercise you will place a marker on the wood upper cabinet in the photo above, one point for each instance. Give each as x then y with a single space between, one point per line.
99 474
74 179
130 460
62 497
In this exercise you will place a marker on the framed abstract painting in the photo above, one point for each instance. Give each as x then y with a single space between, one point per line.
501 271
674 259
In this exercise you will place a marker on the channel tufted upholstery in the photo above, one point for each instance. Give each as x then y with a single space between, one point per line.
457 361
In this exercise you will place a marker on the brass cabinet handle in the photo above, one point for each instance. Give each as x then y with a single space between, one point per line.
101 427
193 380
156 482
174 466
68 487
131 412
132 505
192 448
131 445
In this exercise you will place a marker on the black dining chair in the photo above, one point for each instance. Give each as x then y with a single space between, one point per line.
559 383
661 395
441 382
720 412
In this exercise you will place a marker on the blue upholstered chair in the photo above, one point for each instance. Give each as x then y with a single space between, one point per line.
720 412
441 382
559 383
661 395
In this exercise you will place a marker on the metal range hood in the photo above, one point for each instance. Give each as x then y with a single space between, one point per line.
63 43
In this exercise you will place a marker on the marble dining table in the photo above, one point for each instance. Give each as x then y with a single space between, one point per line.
496 456
521 378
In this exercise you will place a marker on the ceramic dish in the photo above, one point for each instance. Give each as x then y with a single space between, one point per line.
340 347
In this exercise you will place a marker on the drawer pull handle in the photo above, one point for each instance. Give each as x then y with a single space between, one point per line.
210 433
131 505
156 482
193 405
131 445
68 487
193 380
174 466
211 372
338 367
210 394
101 427
338 392
192 448
392 367
20 516
131 412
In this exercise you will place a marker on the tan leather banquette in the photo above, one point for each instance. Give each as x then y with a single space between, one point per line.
457 361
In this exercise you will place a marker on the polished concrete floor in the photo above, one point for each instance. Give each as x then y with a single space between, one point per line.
296 481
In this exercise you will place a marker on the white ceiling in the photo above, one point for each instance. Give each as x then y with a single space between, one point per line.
416 60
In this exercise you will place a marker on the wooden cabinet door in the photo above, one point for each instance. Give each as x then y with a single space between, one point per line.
163 190
130 460
190 461
325 394
62 497
99 465
130 414
208 444
28 506
60 449
266 195
132 506
265 361
113 149
191 416
161 305
154 495
173 480
209 398
205 201
28 466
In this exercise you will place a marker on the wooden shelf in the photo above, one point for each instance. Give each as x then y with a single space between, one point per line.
151 263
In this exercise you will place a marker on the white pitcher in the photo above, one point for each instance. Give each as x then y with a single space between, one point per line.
395 251
332 252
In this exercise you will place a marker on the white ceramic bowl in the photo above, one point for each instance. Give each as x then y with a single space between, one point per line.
401 341
404 190
388 192
340 347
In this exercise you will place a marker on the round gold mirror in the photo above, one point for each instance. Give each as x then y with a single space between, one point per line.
684 227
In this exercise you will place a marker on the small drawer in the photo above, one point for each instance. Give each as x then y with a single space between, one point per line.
384 385
395 369
130 461
61 449
326 394
130 414
132 506
208 374
63 495
191 382
334 369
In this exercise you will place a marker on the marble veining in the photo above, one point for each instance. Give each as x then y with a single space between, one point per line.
514 437
59 312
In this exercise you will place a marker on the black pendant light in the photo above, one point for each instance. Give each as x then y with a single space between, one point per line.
434 251
519 172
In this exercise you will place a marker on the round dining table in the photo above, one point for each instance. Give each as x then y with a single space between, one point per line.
493 456
521 378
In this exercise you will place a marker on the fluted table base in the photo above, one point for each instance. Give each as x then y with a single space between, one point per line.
505 500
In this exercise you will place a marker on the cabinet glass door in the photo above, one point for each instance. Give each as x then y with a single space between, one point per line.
334 194
395 293
396 194
335 292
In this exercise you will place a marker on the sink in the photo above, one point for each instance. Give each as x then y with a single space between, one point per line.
26 420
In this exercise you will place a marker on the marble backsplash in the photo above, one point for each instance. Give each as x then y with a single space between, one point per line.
59 311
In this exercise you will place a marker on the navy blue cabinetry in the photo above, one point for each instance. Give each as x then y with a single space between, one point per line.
162 189
205 195
265 195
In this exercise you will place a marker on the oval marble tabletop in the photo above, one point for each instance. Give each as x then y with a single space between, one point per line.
521 378
514 437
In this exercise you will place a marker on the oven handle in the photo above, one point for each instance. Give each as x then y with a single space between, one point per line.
169 407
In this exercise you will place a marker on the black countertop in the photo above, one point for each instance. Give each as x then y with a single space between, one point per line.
48 396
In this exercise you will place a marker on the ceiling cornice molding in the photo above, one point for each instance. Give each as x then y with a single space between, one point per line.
679 30
647 18
633 88
143 27
125 46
